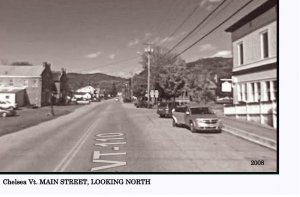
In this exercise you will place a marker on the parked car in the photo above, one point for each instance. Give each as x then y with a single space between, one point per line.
224 100
83 101
165 109
7 112
143 104
7 105
197 118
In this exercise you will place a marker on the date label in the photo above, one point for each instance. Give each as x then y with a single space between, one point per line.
257 162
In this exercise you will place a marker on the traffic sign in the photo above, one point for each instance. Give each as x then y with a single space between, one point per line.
152 93
156 93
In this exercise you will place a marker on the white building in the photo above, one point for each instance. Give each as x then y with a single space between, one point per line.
87 89
254 75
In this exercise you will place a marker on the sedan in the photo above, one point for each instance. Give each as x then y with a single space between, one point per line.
7 112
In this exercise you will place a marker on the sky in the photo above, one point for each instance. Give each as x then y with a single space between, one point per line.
106 36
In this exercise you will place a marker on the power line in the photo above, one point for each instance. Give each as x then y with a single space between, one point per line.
164 19
204 25
184 21
246 4
196 27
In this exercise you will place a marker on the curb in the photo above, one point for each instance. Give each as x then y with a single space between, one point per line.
263 141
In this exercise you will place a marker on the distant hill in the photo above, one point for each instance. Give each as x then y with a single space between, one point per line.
97 80
215 66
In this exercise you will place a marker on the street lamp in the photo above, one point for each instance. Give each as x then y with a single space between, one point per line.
148 50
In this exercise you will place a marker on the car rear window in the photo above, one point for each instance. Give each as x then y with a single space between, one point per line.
163 104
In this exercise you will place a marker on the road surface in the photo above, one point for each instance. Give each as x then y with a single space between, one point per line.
111 136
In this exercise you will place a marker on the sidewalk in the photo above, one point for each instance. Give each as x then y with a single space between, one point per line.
261 134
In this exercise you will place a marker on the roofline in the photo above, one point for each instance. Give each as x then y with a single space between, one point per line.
12 76
253 14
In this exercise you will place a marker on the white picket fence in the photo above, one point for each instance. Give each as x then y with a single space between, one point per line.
263 112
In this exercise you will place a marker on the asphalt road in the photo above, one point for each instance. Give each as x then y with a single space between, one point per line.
117 137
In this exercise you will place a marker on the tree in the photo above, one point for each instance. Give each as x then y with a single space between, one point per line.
199 85
139 85
113 91
166 72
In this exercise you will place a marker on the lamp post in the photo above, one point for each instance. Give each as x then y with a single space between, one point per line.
148 50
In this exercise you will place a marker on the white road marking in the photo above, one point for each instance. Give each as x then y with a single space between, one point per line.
111 143
110 135
67 159
112 165
97 154
105 140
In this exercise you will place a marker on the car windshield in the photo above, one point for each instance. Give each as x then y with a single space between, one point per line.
201 110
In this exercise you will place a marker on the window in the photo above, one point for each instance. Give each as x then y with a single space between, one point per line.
244 89
242 92
35 83
239 92
274 90
240 54
264 45
7 97
252 89
1 83
268 87
257 92
11 82
26 82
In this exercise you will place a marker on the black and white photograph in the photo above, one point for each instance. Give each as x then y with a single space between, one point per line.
158 86
160 97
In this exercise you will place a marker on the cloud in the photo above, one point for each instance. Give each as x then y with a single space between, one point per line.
168 38
93 55
112 56
206 47
224 53
134 42
147 35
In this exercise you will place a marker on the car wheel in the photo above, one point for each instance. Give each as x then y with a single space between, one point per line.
192 127
174 123
4 114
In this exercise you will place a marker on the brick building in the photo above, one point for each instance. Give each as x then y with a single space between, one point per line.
35 81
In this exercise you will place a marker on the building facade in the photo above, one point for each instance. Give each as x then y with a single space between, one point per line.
254 75
36 81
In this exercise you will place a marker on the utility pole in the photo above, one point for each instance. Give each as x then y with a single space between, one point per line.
148 50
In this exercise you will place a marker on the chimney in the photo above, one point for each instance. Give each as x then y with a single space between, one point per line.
47 65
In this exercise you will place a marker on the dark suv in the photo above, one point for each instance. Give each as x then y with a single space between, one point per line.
165 109
142 104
